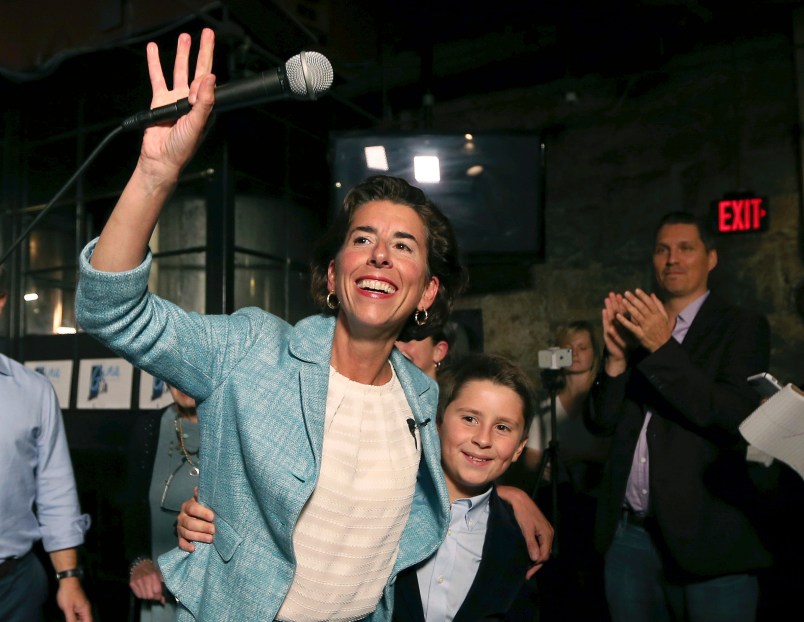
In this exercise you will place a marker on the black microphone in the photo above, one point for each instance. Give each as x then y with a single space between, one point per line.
412 425
305 76
412 428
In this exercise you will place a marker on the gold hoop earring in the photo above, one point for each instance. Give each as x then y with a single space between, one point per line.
332 301
417 317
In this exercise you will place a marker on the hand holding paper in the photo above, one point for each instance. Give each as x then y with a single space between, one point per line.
777 427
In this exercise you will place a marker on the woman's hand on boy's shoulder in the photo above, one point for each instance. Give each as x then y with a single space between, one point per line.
536 529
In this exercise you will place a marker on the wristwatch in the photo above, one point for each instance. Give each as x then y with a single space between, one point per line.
72 572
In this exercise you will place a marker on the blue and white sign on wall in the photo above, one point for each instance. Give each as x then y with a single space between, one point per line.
154 393
60 374
104 383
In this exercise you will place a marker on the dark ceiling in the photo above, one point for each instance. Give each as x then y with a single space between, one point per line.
387 55
83 69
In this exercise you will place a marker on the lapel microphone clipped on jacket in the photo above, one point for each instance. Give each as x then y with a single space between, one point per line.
412 425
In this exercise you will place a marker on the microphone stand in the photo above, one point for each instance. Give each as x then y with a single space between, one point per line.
553 380
313 68
64 189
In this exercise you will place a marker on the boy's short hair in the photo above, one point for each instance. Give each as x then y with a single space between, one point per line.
492 367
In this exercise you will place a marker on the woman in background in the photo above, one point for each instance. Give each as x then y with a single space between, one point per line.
580 453
572 585
175 469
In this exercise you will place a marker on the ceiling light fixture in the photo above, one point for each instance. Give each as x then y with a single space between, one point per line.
426 169
376 159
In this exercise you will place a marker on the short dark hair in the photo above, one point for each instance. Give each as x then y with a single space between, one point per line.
3 281
682 217
492 367
448 331
443 259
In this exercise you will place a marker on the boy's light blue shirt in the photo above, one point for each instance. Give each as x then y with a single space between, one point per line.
445 578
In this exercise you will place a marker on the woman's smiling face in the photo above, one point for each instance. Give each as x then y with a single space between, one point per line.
380 274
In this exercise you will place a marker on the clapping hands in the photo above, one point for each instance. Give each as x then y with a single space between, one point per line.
631 319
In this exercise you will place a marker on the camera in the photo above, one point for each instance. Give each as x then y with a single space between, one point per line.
555 358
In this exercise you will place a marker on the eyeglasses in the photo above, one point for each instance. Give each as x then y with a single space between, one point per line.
181 483
179 486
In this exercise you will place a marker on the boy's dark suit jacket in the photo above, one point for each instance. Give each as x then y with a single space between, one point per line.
499 591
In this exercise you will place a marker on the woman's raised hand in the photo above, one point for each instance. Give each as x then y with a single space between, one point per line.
167 147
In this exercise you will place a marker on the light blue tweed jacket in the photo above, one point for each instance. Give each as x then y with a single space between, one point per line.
261 385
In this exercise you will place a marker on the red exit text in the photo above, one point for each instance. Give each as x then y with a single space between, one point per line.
748 214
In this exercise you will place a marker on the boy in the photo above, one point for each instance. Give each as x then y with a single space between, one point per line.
484 411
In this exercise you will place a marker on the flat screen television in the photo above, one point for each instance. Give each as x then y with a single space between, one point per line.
490 185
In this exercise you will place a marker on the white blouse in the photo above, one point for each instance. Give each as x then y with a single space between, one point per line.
347 537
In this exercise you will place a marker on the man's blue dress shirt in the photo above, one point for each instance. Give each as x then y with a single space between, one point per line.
38 498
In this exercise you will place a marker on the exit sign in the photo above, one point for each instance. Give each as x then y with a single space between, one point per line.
743 213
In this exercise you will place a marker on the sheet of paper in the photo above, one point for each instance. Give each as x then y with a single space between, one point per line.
777 427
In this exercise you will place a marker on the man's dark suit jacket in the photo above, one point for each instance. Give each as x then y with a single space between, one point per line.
499 591
705 509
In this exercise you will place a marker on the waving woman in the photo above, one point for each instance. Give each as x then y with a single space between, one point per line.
320 492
